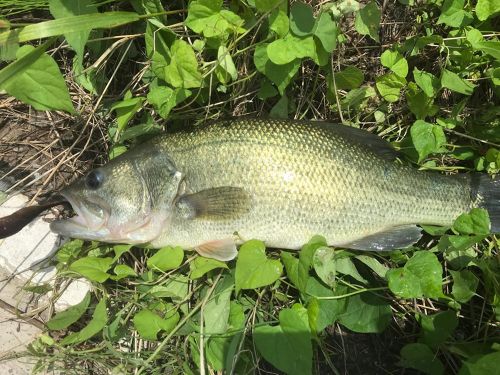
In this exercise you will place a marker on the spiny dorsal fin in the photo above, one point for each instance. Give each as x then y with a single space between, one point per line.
394 238
375 143
218 203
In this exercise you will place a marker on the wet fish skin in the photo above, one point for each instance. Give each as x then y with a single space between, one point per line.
280 181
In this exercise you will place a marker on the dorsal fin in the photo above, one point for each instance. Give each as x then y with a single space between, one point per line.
364 138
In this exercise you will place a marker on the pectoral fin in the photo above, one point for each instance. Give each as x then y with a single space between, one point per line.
394 238
223 250
220 203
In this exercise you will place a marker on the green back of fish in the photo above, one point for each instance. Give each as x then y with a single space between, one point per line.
304 179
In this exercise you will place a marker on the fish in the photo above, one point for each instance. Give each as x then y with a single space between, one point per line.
215 186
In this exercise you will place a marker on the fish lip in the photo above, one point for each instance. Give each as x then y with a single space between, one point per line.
84 218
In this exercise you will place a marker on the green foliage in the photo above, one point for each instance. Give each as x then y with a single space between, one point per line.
149 324
96 324
437 74
69 316
167 258
368 21
288 345
427 138
395 62
420 276
254 269
40 73
477 221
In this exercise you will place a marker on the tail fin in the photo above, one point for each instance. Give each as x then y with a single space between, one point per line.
486 194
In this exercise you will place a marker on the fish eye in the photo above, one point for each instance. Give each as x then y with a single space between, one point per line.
94 179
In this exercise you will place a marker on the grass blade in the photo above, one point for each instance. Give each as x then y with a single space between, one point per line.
67 25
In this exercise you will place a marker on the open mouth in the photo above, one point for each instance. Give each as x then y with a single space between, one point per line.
90 217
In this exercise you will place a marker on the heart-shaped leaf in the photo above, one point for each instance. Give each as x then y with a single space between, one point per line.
253 268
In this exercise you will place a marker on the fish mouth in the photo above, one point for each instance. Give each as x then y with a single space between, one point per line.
89 221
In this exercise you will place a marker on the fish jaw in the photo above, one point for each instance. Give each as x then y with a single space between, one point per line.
97 224
86 224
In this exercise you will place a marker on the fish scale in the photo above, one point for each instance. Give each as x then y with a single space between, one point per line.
280 181
304 181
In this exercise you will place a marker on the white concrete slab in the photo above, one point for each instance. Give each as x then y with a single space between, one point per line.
22 259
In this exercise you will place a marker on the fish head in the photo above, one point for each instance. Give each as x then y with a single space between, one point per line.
126 201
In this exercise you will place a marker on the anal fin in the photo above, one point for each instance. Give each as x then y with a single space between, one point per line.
223 250
393 238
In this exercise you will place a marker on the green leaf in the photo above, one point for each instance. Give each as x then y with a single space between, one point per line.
374 264
453 82
326 31
486 8
280 109
69 250
306 256
490 47
429 83
183 68
69 316
93 268
349 78
427 138
419 103
176 288
96 324
301 19
225 70
207 18
67 8
366 313
286 50
395 61
119 250
266 5
280 75
325 265
291 267
278 22
287 346
464 285
481 364
253 268
266 90
437 328
327 262
389 86
357 98
164 99
126 109
200 266
368 21
35 79
122 270
420 276
217 309
167 258
420 357
64 25
324 312
477 221
453 14
148 324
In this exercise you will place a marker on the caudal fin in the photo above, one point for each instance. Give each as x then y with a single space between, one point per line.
486 194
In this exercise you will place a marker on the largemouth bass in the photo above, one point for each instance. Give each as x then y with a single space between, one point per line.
280 181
